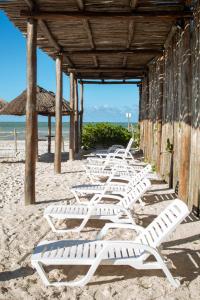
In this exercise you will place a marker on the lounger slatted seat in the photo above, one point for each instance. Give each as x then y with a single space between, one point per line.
133 253
93 210
110 186
94 173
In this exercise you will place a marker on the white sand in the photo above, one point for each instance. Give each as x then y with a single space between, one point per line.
23 227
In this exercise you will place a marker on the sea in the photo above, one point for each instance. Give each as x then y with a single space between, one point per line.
7 130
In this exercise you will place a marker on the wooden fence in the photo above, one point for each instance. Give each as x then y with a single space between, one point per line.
170 112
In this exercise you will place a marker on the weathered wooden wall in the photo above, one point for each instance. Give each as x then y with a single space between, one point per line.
170 112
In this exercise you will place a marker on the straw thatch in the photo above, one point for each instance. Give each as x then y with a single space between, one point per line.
45 104
2 103
100 39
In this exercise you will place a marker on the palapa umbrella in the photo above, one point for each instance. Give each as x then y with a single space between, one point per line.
45 106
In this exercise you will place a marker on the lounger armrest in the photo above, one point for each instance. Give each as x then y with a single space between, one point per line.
108 226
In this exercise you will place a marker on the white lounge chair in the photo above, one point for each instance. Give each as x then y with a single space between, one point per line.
118 213
119 153
133 253
111 186
96 173
104 153
114 150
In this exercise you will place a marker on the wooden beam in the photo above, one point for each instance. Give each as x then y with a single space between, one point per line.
73 16
121 52
131 30
47 33
30 155
58 131
106 70
133 4
109 82
125 58
170 36
80 4
30 4
88 30
71 135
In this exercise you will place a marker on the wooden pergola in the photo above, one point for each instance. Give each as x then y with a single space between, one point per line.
109 41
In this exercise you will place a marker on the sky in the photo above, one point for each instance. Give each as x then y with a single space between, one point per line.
101 102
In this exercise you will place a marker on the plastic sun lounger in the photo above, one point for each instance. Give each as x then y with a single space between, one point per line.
95 173
133 253
114 150
112 187
118 153
118 213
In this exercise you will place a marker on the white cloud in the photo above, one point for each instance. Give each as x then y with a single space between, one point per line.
110 113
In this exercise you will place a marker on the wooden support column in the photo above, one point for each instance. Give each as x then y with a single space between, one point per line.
49 133
81 113
58 131
186 118
71 140
76 118
30 156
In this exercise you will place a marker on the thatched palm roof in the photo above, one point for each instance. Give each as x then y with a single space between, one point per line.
2 103
45 104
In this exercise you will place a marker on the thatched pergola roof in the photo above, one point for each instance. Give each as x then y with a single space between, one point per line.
45 104
101 39
2 103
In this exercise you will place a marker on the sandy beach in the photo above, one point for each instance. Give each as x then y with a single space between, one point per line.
23 227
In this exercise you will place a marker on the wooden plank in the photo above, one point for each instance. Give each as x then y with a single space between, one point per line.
140 15
30 154
58 129
71 140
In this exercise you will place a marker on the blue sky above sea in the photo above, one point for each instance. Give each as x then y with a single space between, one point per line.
101 102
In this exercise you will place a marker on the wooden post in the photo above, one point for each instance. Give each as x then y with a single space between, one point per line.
36 136
71 140
49 133
81 114
30 155
58 131
186 119
76 118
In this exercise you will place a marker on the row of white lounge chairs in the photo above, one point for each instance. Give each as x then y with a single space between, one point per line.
127 181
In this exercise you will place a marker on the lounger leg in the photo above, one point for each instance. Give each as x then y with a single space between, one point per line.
76 196
80 282
76 229
39 268
160 264
172 280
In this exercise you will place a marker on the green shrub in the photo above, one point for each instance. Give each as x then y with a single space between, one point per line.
104 135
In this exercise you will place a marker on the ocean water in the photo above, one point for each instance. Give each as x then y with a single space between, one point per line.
7 130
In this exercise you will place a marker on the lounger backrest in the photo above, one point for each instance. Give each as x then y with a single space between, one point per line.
141 174
128 147
164 224
136 193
